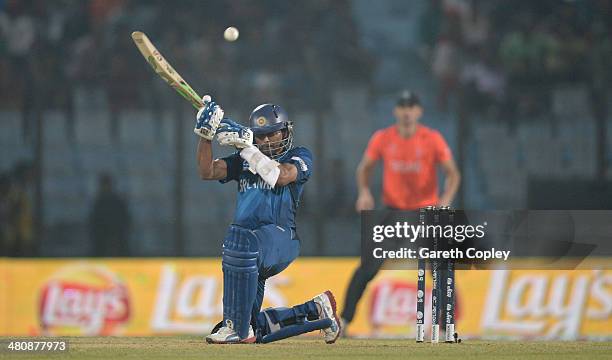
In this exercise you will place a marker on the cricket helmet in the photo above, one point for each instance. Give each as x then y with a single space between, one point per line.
269 118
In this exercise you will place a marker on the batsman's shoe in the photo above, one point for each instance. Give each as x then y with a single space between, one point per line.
327 309
227 335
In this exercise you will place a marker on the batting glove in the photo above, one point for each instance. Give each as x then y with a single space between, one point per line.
230 133
208 119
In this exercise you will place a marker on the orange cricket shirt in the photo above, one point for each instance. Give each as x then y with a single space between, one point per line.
410 178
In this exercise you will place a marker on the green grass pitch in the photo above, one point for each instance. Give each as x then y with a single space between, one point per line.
192 347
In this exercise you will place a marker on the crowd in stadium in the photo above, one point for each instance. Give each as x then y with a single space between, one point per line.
66 45
506 56
496 58
55 54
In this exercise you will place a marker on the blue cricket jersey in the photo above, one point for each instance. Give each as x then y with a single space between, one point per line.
258 203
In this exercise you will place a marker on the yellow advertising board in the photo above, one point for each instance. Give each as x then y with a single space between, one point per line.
184 296
3 297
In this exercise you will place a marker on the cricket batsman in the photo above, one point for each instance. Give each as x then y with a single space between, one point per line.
262 240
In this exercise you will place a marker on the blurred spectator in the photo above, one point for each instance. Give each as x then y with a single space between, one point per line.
482 83
101 10
524 54
17 36
109 221
6 85
123 80
446 67
429 26
5 225
600 55
19 30
86 58
17 217
475 25
517 52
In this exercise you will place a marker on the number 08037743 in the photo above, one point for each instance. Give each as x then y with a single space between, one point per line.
32 345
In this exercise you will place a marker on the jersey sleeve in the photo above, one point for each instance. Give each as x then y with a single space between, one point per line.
375 146
442 151
302 159
234 167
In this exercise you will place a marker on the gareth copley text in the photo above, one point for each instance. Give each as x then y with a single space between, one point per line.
426 253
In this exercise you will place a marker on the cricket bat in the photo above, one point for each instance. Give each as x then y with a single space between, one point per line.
165 70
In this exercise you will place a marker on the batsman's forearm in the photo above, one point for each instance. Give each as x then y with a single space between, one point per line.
205 159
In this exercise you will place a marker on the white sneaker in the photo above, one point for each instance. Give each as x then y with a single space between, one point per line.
327 308
227 335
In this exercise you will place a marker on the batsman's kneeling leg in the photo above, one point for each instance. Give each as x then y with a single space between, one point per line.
240 273
280 323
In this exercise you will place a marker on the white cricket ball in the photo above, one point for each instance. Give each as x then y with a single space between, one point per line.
231 34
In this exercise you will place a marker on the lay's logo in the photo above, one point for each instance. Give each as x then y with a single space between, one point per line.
83 299
393 303
551 305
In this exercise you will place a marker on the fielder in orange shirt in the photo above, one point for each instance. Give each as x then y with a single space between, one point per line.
411 154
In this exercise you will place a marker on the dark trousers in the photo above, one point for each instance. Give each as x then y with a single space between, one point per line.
368 268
